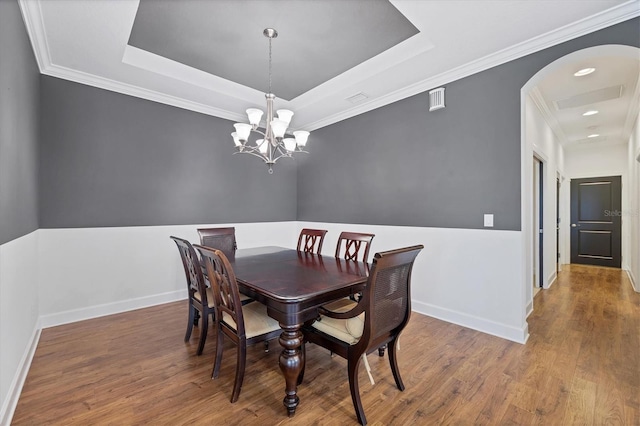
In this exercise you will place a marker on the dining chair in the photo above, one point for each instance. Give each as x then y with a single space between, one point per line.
353 242
223 239
201 302
243 324
377 319
310 240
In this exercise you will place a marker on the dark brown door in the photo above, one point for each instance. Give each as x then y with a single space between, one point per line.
596 221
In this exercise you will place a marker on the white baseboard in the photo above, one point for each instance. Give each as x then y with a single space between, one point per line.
475 323
552 279
634 281
529 308
15 388
110 308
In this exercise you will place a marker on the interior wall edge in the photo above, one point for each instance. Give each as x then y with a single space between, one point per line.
18 315
15 388
634 281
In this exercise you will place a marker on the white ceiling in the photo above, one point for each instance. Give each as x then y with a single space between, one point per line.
612 90
86 41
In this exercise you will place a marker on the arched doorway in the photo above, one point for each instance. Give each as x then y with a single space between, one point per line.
542 138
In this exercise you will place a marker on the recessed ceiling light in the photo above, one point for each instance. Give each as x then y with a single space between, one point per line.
595 135
592 112
584 71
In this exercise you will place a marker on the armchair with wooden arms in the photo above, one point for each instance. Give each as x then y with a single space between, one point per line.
377 319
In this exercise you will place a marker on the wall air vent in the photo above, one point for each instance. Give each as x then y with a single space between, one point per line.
436 99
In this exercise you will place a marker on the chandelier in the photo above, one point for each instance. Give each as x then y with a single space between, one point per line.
272 144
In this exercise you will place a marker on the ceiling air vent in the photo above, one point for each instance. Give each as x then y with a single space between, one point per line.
600 95
436 99
358 97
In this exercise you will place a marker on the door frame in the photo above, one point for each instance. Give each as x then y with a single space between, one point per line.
539 192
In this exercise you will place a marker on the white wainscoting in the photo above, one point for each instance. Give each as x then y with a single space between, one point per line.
469 277
19 329
91 272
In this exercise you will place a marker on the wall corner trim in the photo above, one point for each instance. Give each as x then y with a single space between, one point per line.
15 389
634 282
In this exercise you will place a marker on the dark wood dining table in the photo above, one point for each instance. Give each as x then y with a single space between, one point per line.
293 285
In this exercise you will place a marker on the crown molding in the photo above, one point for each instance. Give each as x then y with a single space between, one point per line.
548 116
139 92
33 21
32 15
615 15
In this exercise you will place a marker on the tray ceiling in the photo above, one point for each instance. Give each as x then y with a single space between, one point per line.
333 59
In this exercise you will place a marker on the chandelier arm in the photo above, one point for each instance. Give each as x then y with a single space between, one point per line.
260 132
282 154
253 152
275 147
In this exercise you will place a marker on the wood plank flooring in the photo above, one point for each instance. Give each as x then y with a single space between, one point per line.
581 366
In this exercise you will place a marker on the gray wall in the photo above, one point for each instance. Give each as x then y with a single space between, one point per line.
402 165
19 86
107 159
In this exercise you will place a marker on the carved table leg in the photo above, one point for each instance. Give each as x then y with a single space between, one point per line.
291 362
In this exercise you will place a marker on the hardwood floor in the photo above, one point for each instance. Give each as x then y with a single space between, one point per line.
580 366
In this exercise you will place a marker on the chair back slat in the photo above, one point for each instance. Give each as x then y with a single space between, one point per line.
224 286
311 240
223 239
192 268
388 292
390 299
354 241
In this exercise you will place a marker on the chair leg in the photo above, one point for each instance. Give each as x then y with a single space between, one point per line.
393 362
196 318
266 346
352 366
240 366
368 368
381 350
204 328
218 359
187 335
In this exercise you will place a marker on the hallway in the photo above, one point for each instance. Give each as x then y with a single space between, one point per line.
586 330
581 366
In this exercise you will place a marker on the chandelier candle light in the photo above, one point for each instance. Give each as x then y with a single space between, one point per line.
273 145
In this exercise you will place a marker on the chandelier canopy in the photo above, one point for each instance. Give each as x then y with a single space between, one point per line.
272 144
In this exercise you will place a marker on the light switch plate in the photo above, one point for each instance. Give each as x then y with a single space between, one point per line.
488 220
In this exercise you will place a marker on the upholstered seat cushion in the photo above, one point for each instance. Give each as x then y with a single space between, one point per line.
256 320
210 297
210 301
349 330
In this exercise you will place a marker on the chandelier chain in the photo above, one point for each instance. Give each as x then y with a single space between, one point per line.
270 39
